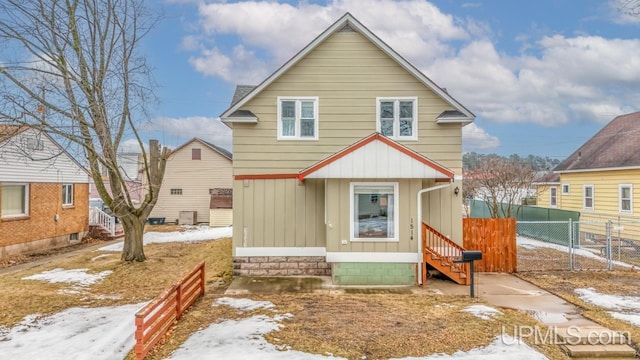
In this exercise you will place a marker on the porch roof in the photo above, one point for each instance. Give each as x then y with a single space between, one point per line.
376 157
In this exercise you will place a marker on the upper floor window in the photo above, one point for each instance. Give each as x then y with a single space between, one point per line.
67 194
397 118
298 118
566 189
196 154
626 198
587 197
15 200
553 197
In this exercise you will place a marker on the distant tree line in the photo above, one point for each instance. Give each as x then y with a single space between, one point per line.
471 160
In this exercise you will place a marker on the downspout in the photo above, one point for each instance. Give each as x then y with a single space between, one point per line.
420 257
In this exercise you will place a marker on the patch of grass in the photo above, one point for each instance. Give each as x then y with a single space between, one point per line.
164 228
129 282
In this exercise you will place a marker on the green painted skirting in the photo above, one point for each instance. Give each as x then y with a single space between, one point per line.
373 273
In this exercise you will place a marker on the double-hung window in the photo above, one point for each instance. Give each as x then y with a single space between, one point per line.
553 197
397 118
587 197
67 194
374 212
15 200
626 198
298 118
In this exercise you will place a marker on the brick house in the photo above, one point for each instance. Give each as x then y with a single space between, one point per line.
44 193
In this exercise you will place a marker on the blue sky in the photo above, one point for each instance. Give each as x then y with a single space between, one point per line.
541 76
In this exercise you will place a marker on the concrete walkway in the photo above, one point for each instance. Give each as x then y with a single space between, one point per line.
580 337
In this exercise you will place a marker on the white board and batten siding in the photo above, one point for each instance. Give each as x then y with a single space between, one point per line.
33 157
376 160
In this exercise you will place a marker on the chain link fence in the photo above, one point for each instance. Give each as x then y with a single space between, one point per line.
589 244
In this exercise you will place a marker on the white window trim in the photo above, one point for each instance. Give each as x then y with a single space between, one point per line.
584 198
568 192
297 99
551 197
70 186
630 186
396 120
396 220
26 201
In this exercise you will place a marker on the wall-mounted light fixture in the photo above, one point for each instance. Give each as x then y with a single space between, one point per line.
456 191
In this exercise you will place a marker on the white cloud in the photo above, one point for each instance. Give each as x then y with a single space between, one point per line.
177 131
475 138
553 80
131 146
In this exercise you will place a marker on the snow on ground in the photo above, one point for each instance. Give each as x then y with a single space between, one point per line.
78 277
529 243
192 234
104 333
626 308
482 311
244 339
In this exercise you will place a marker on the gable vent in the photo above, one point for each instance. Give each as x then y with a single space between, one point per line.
347 28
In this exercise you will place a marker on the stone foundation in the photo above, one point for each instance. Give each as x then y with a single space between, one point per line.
281 266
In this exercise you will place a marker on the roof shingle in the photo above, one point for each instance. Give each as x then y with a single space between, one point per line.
617 145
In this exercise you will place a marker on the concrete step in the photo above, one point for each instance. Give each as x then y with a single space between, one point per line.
589 335
600 351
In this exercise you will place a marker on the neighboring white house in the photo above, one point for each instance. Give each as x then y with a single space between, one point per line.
195 171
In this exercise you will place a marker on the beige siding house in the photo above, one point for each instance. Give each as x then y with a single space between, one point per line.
193 171
339 156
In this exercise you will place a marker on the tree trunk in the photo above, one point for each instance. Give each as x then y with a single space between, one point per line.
133 227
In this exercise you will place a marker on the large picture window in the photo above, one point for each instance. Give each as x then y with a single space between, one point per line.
397 118
374 211
15 200
298 118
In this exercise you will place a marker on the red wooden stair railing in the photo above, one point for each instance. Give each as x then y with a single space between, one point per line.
439 252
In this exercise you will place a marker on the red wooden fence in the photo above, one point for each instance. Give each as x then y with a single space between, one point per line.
496 238
153 320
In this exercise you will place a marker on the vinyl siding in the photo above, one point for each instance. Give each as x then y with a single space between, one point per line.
346 73
605 200
51 164
220 217
195 178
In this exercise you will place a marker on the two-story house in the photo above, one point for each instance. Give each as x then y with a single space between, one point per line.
599 179
44 193
340 155
195 172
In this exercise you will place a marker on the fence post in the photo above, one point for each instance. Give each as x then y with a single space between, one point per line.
609 255
179 301
570 244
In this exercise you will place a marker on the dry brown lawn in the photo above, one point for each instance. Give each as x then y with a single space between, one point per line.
129 282
357 326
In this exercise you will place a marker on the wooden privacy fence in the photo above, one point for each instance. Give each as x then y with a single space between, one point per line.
153 320
496 238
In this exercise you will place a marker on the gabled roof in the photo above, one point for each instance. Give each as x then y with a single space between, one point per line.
347 20
616 146
224 152
549 178
376 156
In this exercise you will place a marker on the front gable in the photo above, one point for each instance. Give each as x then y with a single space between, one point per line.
346 74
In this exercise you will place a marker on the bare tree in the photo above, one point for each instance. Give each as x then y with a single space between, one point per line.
501 182
73 68
629 7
